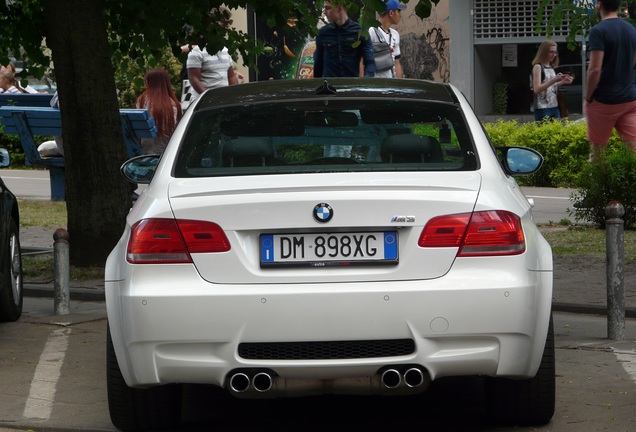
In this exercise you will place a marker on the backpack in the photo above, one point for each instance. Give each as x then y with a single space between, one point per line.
531 80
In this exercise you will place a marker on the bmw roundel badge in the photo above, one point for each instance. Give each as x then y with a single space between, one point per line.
323 212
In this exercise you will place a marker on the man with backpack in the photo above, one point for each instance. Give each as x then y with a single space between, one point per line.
386 42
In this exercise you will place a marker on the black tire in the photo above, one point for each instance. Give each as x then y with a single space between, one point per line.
133 409
525 402
11 293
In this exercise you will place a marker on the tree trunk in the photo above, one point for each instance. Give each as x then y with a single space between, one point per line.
97 196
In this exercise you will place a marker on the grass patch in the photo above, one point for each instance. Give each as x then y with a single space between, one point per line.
48 214
41 269
587 241
42 213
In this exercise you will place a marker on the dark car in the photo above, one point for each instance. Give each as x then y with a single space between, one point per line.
11 293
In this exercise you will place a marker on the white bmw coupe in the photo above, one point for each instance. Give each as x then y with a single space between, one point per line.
340 236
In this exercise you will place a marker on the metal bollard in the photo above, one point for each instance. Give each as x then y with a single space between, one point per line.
615 252
61 264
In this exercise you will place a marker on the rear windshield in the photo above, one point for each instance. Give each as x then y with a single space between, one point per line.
325 136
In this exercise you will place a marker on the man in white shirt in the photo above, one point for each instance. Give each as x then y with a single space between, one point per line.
207 70
385 33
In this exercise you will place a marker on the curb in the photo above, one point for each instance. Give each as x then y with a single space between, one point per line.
77 294
630 312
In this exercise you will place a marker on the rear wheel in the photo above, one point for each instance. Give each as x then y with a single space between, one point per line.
528 402
11 295
134 409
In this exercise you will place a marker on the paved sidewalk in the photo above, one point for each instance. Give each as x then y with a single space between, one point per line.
579 284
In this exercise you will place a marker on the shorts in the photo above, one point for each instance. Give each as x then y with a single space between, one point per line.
602 118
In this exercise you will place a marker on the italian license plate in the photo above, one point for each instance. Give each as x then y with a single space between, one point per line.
329 249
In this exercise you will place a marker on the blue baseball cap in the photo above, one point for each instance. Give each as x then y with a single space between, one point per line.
394 5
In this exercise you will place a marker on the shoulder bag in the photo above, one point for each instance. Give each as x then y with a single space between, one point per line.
382 51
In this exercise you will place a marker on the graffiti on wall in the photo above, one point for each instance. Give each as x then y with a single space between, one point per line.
425 44
439 44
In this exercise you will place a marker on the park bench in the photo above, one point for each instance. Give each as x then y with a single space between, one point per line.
28 122
26 99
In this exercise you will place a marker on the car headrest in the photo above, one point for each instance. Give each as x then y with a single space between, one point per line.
409 148
247 151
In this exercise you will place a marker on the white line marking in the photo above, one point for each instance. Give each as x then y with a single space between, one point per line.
39 404
627 359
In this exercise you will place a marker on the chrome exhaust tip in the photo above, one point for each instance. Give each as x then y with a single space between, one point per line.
391 378
239 382
413 377
262 382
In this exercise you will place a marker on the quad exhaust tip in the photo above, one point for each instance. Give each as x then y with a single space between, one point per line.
397 378
262 382
239 382
391 378
414 377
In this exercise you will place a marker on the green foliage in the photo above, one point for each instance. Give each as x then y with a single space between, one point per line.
500 99
610 178
563 145
143 37
581 15
566 151
10 142
551 14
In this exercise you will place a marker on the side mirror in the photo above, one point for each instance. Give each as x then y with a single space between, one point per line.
5 158
520 160
140 169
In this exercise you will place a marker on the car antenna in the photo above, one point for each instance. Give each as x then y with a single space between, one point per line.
325 89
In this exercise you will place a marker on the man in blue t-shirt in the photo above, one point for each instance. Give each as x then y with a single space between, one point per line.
610 93
339 46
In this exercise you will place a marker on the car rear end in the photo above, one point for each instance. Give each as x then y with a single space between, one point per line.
352 237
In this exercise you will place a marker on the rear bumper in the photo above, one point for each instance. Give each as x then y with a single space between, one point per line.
175 327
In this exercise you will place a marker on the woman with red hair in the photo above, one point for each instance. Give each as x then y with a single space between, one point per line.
165 109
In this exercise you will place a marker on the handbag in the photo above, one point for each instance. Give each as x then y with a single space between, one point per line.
382 52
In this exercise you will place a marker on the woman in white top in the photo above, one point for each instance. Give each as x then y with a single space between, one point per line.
545 82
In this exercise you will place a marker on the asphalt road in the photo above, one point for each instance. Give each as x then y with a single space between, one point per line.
29 184
551 205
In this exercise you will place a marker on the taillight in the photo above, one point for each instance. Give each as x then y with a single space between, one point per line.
163 241
484 233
